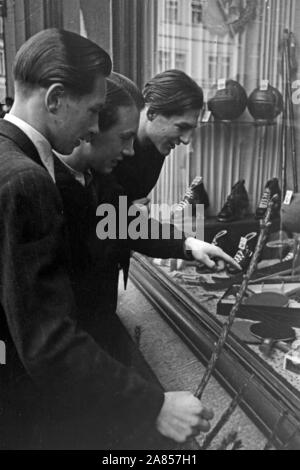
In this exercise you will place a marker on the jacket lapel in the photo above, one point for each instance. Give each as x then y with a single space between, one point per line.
12 132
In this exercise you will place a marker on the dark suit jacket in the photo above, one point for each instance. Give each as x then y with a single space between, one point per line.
139 174
59 388
96 263
115 254
94 270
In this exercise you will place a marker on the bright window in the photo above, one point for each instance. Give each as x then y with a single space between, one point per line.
171 11
196 12
241 41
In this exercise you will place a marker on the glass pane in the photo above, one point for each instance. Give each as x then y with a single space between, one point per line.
245 56
240 41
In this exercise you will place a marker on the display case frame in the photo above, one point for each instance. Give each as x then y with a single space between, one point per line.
269 400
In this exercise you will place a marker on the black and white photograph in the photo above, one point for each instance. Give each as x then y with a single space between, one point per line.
149 227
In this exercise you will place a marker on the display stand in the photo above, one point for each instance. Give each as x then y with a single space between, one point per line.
268 395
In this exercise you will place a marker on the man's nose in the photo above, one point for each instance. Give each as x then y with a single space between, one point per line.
186 137
128 151
94 127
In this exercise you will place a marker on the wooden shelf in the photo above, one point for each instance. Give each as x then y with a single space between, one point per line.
258 123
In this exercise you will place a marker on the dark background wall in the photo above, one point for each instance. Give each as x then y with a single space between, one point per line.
23 18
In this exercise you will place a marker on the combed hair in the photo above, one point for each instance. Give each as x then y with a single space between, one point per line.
116 97
58 56
172 93
130 87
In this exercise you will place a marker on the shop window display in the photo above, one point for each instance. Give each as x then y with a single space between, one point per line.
243 167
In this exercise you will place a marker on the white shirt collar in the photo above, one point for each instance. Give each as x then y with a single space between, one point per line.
83 178
40 142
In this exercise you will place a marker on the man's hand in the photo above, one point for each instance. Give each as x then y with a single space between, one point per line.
212 256
183 416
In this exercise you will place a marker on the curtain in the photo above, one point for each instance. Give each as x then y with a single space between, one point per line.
190 38
134 38
53 14
39 15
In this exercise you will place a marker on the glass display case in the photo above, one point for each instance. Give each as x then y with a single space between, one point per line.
245 151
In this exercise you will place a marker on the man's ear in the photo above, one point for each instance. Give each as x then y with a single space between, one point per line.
151 115
54 97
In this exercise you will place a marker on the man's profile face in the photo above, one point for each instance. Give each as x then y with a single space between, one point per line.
77 118
109 147
168 132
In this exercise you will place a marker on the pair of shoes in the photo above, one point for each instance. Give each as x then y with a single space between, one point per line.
244 253
194 195
271 189
236 205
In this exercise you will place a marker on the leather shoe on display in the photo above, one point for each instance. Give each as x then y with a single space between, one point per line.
237 204
244 254
271 188
195 194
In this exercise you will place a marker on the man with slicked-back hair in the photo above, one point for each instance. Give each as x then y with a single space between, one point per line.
173 101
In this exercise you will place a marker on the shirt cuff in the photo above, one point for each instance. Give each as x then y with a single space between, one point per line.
188 255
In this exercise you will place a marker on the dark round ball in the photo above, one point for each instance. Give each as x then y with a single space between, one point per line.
265 104
229 103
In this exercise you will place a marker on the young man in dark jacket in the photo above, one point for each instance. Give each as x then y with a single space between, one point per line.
173 102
